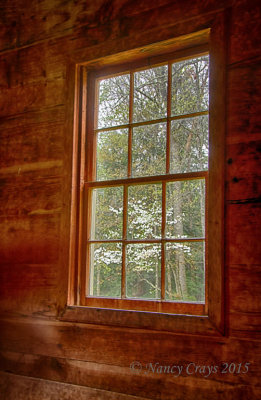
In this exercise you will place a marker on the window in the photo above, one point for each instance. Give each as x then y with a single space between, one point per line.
146 187
146 231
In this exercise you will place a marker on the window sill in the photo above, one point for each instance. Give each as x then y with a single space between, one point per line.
175 323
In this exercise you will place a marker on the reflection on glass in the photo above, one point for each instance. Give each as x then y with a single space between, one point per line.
144 211
185 209
150 94
189 145
185 272
107 206
105 269
112 154
143 271
190 86
149 150
113 107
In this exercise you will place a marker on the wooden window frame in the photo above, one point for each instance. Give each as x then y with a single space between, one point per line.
183 320
93 77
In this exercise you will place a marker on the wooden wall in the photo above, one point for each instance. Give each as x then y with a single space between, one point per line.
42 357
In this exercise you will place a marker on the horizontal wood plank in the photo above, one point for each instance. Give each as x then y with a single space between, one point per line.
114 378
47 20
31 65
33 239
31 193
29 288
32 97
31 120
117 345
21 145
19 388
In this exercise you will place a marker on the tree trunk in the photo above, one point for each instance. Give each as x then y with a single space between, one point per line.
181 284
181 268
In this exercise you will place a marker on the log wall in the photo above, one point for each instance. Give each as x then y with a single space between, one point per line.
42 357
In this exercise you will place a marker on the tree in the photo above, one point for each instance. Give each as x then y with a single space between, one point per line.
185 199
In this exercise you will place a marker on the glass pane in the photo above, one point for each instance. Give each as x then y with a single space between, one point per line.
190 86
143 271
144 211
107 205
112 154
114 101
150 94
105 270
185 271
185 209
189 145
149 150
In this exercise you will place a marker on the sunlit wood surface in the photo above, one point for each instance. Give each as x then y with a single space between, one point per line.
47 353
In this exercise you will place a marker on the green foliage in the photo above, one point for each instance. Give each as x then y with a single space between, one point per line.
184 199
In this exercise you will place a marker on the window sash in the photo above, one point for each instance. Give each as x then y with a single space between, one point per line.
92 183
124 240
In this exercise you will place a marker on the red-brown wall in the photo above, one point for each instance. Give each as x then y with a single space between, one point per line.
41 356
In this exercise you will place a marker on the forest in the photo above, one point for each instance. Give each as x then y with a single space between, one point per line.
151 123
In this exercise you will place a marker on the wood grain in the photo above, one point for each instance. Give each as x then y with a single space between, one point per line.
243 173
245 31
29 98
33 239
87 374
58 362
15 387
30 193
243 233
22 145
120 346
243 90
42 354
